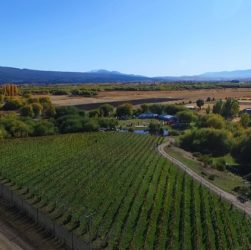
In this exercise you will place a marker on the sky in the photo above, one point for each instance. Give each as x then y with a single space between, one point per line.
146 37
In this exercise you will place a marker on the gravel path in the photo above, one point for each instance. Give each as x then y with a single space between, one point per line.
246 207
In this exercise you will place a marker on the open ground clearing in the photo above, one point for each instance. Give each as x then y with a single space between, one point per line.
156 96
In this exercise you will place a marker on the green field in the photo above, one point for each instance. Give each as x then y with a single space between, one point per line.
138 199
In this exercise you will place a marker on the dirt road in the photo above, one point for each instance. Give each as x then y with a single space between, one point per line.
246 207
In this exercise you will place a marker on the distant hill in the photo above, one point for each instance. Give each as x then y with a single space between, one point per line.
22 76
241 75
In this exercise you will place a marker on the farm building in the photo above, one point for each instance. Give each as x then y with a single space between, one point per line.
168 118
148 116
191 107
248 110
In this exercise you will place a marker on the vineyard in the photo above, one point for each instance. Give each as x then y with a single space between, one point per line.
135 198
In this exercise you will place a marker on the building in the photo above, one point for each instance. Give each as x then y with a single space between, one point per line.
248 110
148 116
170 119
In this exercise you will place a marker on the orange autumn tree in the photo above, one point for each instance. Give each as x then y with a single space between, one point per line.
10 90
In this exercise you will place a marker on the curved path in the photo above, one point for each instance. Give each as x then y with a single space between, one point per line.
246 207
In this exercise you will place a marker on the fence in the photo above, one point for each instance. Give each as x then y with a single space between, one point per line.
70 239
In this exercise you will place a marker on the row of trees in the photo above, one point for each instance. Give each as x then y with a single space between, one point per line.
64 120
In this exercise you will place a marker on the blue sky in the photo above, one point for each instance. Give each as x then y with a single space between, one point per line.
148 37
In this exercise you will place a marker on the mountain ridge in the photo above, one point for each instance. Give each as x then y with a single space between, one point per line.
30 76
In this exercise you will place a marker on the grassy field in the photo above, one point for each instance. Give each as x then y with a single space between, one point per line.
137 198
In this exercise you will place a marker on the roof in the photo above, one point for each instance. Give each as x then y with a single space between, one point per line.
166 116
148 115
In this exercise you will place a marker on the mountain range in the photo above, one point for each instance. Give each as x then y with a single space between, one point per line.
22 76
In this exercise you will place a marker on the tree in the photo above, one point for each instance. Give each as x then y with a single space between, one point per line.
207 141
218 107
10 90
27 110
186 117
106 110
245 120
157 109
68 110
154 128
108 123
70 124
12 104
48 110
228 109
37 109
90 125
242 150
144 108
94 113
45 100
44 127
200 103
212 121
208 109
17 128
124 110
231 108
1 99
173 109
3 132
